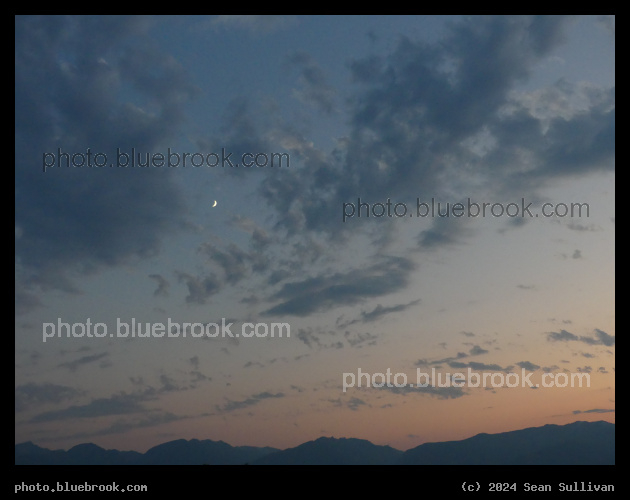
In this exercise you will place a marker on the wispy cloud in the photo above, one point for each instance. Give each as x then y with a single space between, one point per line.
250 401
601 338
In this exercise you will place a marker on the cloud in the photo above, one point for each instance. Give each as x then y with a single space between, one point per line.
250 401
118 404
84 360
444 231
315 89
307 336
527 365
232 261
260 239
302 298
575 226
167 384
594 410
162 285
604 338
601 338
378 312
360 338
152 419
438 392
354 403
200 289
562 335
237 263
474 351
25 300
424 110
482 367
608 23
526 287
33 394
255 24
77 219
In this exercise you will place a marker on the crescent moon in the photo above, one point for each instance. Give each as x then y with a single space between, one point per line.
215 203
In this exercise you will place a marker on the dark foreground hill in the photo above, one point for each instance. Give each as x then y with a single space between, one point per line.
179 452
579 443
331 451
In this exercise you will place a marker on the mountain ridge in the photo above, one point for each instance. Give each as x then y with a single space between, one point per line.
577 443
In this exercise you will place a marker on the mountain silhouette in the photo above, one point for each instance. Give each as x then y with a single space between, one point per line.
578 443
331 451
195 452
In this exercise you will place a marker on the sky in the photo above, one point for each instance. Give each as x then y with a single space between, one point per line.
354 127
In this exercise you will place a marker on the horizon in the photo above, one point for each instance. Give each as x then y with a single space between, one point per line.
428 198
335 438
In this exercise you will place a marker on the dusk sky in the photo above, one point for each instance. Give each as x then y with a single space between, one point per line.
497 110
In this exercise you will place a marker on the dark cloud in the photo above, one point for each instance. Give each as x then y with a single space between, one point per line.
233 261
601 338
168 384
315 89
162 285
474 365
255 24
200 289
604 338
476 350
118 404
608 23
444 231
84 360
550 369
378 312
33 394
240 132
594 410
354 403
250 401
237 263
308 336
439 392
562 335
69 76
527 365
151 419
360 338
260 239
575 226
425 110
301 298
